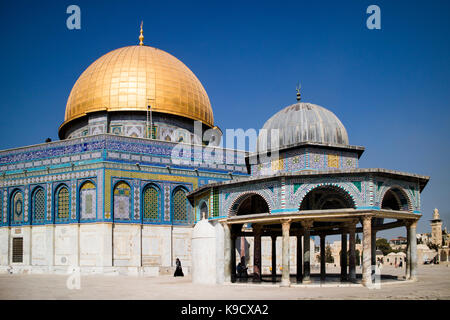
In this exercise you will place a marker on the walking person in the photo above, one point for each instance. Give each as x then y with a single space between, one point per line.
178 270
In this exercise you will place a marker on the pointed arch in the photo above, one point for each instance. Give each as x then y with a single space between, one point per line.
325 197
122 201
87 201
204 210
249 203
151 203
396 198
16 206
180 206
38 205
62 203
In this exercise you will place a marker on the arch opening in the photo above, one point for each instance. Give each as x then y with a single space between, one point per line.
251 204
327 197
395 199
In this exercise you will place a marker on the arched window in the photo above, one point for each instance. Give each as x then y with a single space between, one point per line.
88 196
62 203
17 206
151 204
122 201
203 210
38 205
179 206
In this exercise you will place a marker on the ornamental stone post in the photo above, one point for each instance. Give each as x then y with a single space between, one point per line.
257 253
367 248
322 257
307 225
285 275
299 258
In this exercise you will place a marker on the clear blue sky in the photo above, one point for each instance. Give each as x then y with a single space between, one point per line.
389 87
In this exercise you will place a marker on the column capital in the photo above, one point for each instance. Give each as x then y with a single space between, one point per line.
411 223
351 225
366 219
307 224
257 229
286 224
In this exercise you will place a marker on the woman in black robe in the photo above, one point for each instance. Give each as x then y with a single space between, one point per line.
178 270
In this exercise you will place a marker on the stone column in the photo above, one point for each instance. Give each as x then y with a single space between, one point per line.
307 224
408 253
274 257
344 255
233 256
366 266
322 257
352 256
256 253
285 275
373 247
227 252
299 258
413 249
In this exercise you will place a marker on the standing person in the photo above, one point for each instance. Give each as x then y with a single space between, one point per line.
243 268
178 270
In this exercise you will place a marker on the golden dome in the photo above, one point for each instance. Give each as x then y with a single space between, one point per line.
130 78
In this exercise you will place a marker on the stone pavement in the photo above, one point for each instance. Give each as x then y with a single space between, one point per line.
433 283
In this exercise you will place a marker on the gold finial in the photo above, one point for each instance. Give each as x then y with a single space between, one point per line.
299 96
141 37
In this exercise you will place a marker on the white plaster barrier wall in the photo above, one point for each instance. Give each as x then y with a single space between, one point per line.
204 257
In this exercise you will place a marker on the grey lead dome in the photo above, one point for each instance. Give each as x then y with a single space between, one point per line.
304 122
